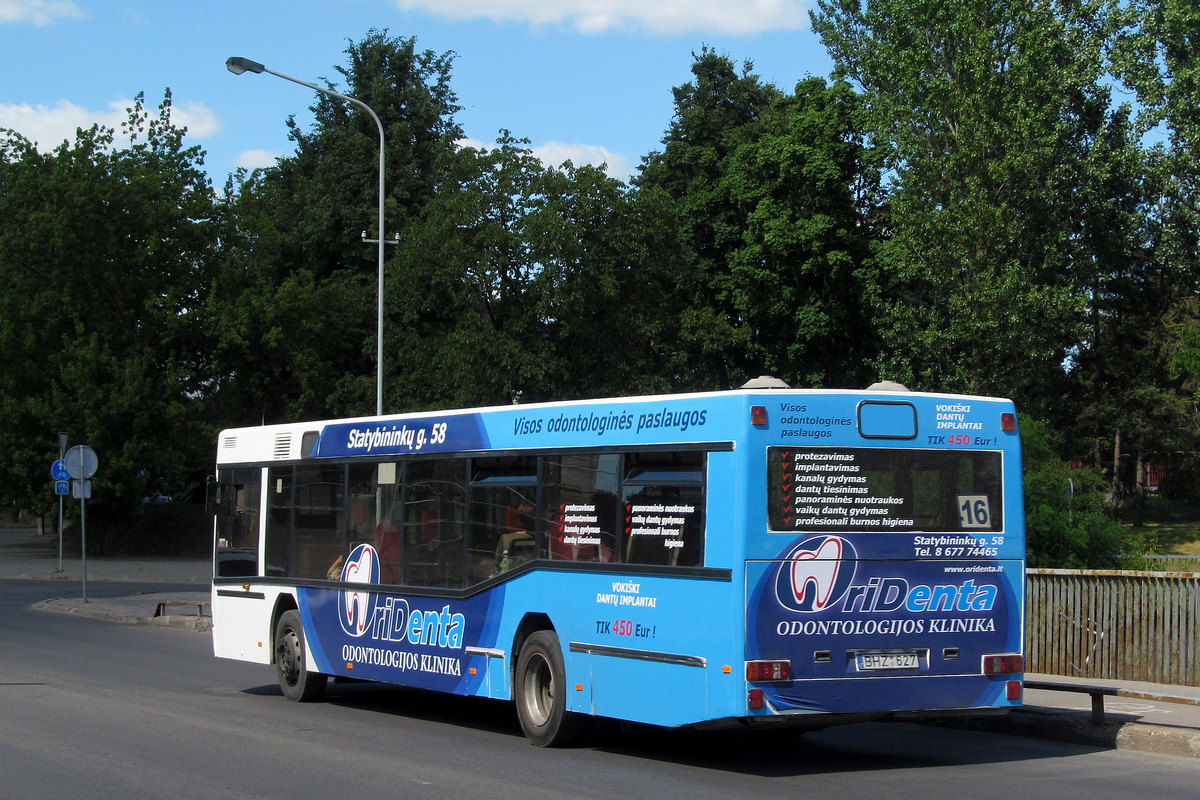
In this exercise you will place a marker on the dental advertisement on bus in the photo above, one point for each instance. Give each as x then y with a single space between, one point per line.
892 562
418 641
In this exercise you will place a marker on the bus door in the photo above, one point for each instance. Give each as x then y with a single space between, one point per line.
237 539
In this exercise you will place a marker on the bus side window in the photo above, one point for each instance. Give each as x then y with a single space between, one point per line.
664 509
434 520
373 518
387 536
579 506
501 534
279 521
318 522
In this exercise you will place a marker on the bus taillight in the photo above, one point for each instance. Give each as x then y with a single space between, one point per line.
758 415
1008 422
768 671
1003 664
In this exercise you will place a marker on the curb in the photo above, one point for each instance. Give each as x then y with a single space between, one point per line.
189 622
1076 727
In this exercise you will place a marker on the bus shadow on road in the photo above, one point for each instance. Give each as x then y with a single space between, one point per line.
417 704
861 747
775 753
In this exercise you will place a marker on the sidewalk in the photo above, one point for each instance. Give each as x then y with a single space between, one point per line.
26 556
1130 723
185 610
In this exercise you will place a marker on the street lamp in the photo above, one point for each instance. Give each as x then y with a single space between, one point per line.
237 65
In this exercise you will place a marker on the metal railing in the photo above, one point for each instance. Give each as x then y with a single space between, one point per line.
1115 625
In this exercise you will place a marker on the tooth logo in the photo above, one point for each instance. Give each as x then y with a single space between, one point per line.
356 606
816 574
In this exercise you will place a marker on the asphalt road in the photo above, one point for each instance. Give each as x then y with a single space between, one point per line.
97 709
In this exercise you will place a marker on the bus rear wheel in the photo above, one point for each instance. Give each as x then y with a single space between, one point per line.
291 661
541 694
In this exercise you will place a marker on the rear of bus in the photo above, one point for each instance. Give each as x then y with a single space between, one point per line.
887 575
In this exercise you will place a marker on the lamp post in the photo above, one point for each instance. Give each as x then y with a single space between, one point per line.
237 65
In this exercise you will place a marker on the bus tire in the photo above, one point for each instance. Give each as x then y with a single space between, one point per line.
541 694
291 661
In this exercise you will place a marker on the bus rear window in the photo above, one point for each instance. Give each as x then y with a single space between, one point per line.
880 489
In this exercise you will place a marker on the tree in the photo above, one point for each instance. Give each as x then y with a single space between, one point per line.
1157 54
1128 403
714 114
774 198
605 256
296 297
469 330
524 282
983 108
1036 247
806 190
1066 518
104 259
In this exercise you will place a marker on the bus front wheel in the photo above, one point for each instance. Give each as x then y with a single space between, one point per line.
291 661
541 694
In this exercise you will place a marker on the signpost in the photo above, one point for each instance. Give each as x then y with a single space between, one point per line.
81 463
62 487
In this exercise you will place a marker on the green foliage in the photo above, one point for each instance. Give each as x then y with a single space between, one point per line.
965 208
1067 524
1036 247
774 197
104 256
714 115
604 285
469 332
1156 53
523 282
979 107
805 189
295 300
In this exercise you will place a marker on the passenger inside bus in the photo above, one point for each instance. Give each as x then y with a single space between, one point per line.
387 545
516 545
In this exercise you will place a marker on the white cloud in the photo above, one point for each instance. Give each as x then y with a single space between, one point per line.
39 12
475 144
256 159
553 154
200 121
50 126
666 17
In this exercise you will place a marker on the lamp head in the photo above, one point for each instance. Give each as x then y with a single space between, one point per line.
237 65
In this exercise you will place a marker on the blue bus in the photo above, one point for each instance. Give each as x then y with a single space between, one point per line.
756 557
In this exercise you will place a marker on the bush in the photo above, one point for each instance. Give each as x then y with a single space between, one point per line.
1067 524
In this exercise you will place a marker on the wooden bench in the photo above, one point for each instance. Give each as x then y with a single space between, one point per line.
200 607
1098 693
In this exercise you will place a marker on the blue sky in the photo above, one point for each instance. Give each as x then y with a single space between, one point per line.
588 80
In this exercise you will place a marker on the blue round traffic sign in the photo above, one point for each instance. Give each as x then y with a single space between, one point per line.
58 471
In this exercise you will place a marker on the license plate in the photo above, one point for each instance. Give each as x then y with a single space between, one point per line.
867 662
